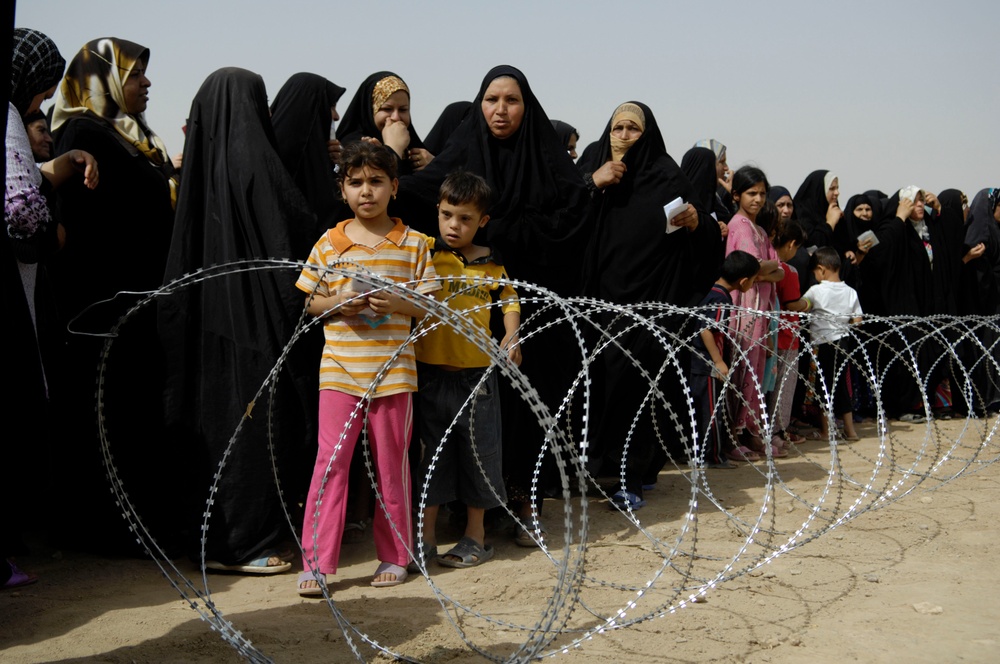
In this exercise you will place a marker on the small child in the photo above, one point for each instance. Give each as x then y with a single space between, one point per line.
362 333
451 368
835 306
708 364
788 237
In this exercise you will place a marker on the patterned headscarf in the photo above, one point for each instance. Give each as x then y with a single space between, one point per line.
93 86
715 146
35 66
385 89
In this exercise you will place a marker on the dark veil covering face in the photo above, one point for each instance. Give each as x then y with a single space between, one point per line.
223 336
452 116
631 257
810 201
539 195
981 227
300 115
698 165
359 118
565 131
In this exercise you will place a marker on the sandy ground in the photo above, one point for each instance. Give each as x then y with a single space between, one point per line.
848 595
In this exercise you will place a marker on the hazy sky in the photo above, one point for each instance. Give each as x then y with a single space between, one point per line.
885 94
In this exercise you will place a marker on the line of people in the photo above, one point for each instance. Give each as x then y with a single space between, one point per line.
181 400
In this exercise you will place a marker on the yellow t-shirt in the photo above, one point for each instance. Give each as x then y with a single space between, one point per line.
358 348
467 288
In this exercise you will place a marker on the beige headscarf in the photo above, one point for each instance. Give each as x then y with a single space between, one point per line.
626 111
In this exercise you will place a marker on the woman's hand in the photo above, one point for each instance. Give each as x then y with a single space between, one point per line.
177 160
834 214
334 148
724 229
904 209
932 200
396 135
974 253
608 174
419 157
688 218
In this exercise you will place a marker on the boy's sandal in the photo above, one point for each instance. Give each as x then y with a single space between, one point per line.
468 552
311 591
525 537
256 566
389 568
625 500
742 453
423 555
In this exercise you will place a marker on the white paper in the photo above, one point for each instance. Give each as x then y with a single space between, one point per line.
671 210
868 236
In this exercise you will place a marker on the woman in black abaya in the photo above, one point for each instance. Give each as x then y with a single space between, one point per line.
536 225
301 114
631 260
223 335
452 116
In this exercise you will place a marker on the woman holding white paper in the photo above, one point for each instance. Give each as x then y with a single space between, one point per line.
633 259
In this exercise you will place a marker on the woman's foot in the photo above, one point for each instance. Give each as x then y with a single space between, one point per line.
309 586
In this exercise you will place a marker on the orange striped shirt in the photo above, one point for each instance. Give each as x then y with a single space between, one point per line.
358 348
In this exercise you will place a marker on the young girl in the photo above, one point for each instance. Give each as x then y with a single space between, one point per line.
362 334
750 188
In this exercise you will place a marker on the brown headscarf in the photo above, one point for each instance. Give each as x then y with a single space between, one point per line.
627 111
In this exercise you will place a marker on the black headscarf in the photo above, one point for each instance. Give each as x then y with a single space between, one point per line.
300 115
810 201
452 116
698 166
35 66
565 130
777 192
224 335
981 227
631 258
359 118
539 195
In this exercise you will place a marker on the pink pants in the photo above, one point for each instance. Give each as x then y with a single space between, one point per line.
390 421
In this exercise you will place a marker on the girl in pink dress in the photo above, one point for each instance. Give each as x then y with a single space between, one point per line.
751 331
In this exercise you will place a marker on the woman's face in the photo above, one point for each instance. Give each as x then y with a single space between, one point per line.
503 107
721 167
36 101
918 208
626 130
863 211
334 115
571 146
996 214
397 107
136 89
833 193
786 207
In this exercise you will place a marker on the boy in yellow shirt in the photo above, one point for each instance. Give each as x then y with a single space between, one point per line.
465 465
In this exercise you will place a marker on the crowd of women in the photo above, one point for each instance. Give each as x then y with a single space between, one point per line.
108 215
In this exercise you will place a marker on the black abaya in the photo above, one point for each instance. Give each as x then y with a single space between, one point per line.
222 336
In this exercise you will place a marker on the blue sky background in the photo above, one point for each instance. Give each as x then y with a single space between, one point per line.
885 94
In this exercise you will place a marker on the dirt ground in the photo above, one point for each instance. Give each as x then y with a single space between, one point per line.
914 581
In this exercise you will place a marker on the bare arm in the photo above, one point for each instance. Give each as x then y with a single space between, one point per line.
511 342
770 270
708 339
63 167
335 304
800 305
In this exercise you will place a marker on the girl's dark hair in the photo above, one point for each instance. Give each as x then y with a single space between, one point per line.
739 265
768 218
746 177
789 231
361 154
